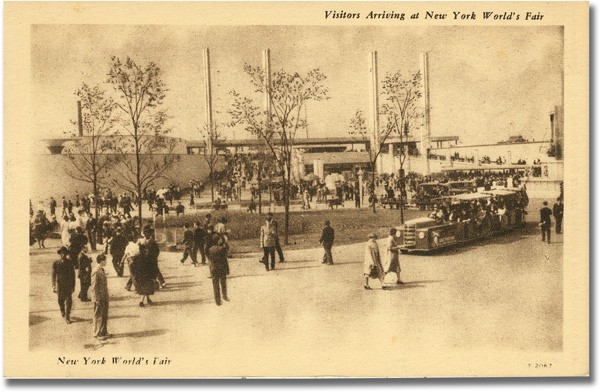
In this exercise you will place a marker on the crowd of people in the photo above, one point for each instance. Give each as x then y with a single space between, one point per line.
114 233
138 251
493 212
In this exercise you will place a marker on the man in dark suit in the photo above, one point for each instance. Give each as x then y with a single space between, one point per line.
188 242
84 264
63 282
117 249
199 235
545 221
218 267
557 211
327 238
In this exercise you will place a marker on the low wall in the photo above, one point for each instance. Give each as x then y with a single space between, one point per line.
49 176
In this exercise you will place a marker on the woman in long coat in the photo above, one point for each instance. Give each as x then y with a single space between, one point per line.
143 274
372 267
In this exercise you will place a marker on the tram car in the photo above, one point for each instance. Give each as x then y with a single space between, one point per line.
472 217
433 193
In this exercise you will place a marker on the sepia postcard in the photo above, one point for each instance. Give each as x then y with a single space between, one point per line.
296 189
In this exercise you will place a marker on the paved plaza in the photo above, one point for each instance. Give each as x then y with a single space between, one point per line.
502 293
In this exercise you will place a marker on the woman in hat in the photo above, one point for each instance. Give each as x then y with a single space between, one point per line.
372 267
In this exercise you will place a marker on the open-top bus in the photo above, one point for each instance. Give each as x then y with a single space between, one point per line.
472 218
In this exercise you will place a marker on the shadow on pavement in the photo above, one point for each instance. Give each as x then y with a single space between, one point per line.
34 319
140 334
123 316
405 286
98 345
182 302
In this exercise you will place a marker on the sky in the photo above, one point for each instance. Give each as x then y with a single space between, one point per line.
486 83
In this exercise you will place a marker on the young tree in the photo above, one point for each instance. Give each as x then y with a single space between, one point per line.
287 93
146 150
359 129
92 155
403 114
212 137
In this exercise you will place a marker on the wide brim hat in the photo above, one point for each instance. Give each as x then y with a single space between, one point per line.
62 250
372 235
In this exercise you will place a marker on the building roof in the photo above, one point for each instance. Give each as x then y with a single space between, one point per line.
348 157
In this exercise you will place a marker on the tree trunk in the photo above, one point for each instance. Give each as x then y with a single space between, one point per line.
373 187
138 178
259 191
286 200
95 185
212 185
401 191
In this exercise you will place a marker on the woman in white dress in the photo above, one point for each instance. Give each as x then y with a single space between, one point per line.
65 235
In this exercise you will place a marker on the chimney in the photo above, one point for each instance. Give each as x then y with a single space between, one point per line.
79 119
267 68
208 95
426 134
375 106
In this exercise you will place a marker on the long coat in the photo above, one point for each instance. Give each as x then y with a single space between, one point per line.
391 255
372 258
143 273
99 285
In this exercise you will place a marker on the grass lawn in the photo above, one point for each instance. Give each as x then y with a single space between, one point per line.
350 225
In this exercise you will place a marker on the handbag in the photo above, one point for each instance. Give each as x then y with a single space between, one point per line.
374 272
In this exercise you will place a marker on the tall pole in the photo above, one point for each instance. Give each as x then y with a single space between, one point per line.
209 117
374 107
79 119
426 137
267 97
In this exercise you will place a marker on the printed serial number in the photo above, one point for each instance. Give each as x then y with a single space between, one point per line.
540 365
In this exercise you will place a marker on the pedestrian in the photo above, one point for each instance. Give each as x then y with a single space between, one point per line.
268 241
100 298
179 210
78 243
222 231
143 275
207 222
545 221
392 261
557 211
52 206
84 265
327 238
65 236
152 252
118 243
199 235
219 268
188 243
277 245
63 282
209 241
90 229
372 266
